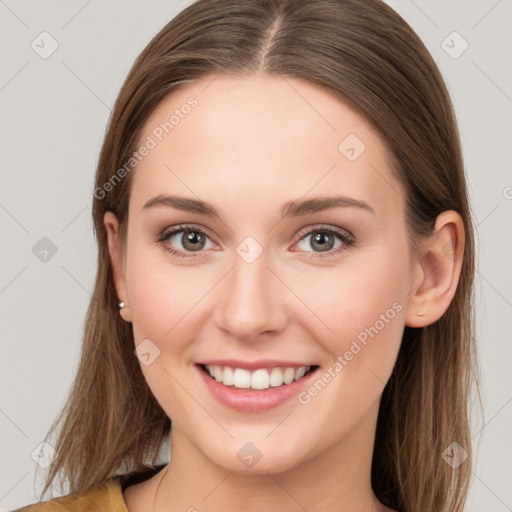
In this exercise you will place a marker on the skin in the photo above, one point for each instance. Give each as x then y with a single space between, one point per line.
248 147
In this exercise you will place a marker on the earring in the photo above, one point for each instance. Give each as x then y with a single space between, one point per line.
420 313
122 305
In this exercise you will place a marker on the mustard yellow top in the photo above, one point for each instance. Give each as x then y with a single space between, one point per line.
107 497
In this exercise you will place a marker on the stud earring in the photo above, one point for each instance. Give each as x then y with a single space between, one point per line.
420 313
122 305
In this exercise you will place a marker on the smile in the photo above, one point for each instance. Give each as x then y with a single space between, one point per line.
259 379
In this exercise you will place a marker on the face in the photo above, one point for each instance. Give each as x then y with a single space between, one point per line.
276 280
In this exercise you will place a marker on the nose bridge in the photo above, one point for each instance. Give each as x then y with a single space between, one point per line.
250 301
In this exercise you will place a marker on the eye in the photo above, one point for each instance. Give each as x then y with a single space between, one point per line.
323 240
190 238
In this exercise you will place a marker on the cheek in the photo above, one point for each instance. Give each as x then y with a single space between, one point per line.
160 299
360 308
363 312
168 303
163 301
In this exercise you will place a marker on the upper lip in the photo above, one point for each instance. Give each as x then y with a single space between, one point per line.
253 365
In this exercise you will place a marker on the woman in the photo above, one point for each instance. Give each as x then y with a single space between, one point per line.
286 243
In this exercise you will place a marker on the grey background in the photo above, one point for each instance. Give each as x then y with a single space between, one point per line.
54 113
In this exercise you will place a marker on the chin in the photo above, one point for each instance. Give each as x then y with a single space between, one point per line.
258 457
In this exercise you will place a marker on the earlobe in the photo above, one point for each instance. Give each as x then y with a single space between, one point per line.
117 262
437 271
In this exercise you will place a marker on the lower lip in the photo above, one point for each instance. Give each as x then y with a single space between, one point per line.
253 401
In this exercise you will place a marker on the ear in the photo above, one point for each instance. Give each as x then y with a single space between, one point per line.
436 271
118 262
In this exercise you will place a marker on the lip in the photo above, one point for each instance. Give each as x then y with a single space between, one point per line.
253 365
245 400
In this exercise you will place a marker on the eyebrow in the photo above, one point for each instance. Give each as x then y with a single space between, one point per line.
295 208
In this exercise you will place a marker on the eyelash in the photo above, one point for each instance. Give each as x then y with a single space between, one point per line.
348 240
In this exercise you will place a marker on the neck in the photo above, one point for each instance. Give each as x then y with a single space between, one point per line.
336 479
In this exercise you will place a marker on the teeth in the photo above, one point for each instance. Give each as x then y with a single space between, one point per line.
227 378
299 372
276 377
288 375
258 379
241 378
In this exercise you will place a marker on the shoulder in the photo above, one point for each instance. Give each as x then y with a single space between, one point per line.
107 497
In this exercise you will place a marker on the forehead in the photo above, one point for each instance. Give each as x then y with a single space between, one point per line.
262 137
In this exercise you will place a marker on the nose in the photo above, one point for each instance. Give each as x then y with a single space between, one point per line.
252 301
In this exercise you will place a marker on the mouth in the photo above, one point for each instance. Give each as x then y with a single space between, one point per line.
259 379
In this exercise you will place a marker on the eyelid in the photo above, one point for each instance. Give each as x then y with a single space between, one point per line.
325 227
182 227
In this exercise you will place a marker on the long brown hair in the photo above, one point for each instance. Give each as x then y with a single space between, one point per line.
369 56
